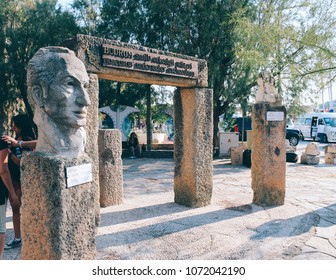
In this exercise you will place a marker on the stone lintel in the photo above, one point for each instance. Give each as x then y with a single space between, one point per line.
193 118
118 61
268 154
110 167
57 221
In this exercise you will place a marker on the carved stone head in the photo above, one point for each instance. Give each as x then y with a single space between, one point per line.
57 83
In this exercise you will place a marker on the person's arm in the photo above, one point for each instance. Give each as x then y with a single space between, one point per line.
22 144
14 158
6 177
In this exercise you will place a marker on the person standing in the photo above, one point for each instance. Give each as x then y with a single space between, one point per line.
24 131
134 145
6 189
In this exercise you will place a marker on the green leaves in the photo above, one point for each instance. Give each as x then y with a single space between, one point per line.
27 26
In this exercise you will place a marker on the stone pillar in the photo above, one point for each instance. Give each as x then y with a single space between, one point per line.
193 119
268 154
110 167
91 147
57 221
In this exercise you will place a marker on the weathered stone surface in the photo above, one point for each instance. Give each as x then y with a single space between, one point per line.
58 223
59 100
310 159
268 146
266 89
91 147
114 60
110 167
237 155
331 148
90 50
312 149
329 158
193 146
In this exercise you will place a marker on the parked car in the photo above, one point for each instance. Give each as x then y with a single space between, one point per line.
317 126
292 134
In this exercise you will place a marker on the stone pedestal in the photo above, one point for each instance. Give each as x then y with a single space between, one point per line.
311 156
193 146
57 221
330 154
236 155
268 154
110 167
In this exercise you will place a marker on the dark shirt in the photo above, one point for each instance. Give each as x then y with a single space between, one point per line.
3 189
14 169
134 143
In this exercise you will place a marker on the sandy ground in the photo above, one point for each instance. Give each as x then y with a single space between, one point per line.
150 226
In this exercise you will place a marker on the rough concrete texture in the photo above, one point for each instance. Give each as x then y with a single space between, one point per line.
312 149
150 226
193 147
330 148
310 159
91 147
329 158
57 222
110 167
89 50
268 156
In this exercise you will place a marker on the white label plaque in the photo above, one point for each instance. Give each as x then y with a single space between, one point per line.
275 116
79 174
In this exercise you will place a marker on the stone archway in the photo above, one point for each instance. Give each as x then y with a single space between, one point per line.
193 118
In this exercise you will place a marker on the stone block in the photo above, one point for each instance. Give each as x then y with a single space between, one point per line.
329 158
91 50
237 155
57 221
312 149
110 167
331 148
310 159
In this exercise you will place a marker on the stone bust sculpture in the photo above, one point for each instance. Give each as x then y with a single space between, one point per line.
57 82
266 90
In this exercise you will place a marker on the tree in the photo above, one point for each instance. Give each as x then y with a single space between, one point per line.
200 28
27 26
87 15
293 39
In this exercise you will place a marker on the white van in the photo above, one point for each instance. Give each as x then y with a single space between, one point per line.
320 126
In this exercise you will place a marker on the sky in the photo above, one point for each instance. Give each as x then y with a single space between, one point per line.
64 3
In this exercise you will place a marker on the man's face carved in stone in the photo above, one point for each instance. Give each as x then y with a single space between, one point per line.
67 98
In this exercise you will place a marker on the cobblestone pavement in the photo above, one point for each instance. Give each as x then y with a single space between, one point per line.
149 225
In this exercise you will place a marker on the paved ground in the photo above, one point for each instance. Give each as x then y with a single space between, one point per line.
149 225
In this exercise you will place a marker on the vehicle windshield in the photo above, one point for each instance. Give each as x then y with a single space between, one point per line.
330 121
